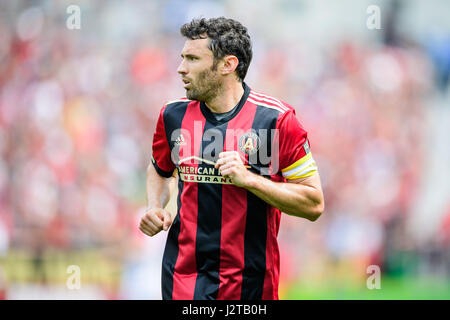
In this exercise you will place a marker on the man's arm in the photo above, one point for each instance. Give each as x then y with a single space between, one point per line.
157 189
158 195
301 197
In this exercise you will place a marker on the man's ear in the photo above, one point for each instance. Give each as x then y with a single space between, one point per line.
230 64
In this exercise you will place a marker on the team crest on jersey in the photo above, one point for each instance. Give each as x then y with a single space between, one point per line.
249 142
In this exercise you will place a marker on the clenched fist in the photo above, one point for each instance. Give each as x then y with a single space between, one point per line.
155 220
231 166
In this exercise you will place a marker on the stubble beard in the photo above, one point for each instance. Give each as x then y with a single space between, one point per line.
206 88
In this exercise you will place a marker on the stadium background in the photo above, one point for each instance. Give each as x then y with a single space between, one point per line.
77 114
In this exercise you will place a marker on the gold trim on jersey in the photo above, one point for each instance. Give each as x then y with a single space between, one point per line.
302 168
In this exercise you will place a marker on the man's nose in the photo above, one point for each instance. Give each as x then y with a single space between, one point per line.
182 68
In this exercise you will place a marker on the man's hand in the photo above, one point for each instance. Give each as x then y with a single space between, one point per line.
154 221
300 197
231 166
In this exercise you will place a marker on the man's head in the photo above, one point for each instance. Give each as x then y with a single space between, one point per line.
216 49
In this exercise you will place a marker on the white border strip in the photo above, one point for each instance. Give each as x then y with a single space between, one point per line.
265 105
274 100
301 174
299 168
269 101
179 100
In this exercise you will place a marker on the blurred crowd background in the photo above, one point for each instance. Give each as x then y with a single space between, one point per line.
78 108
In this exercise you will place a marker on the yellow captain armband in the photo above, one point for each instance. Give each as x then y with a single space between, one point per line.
302 168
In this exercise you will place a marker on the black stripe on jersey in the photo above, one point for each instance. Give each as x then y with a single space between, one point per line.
171 251
173 117
209 224
254 249
255 236
265 119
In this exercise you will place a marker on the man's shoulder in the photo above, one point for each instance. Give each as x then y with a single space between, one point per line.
172 108
269 102
177 102
173 111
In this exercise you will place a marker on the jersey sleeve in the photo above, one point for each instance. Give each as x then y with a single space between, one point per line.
161 154
295 158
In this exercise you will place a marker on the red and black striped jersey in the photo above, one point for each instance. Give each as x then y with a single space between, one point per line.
223 241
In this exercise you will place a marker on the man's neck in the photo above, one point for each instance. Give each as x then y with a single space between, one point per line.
229 97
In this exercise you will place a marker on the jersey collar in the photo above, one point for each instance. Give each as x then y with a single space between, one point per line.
210 117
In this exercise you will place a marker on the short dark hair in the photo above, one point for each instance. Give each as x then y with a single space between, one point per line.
227 36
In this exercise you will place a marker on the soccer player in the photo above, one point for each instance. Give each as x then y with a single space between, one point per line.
242 158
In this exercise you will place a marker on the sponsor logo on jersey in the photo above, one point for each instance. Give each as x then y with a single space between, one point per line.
179 141
201 175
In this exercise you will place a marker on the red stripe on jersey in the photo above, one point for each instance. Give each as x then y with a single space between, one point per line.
234 211
234 208
160 147
270 290
291 139
185 273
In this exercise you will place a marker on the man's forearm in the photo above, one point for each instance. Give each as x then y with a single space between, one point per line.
157 189
294 199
